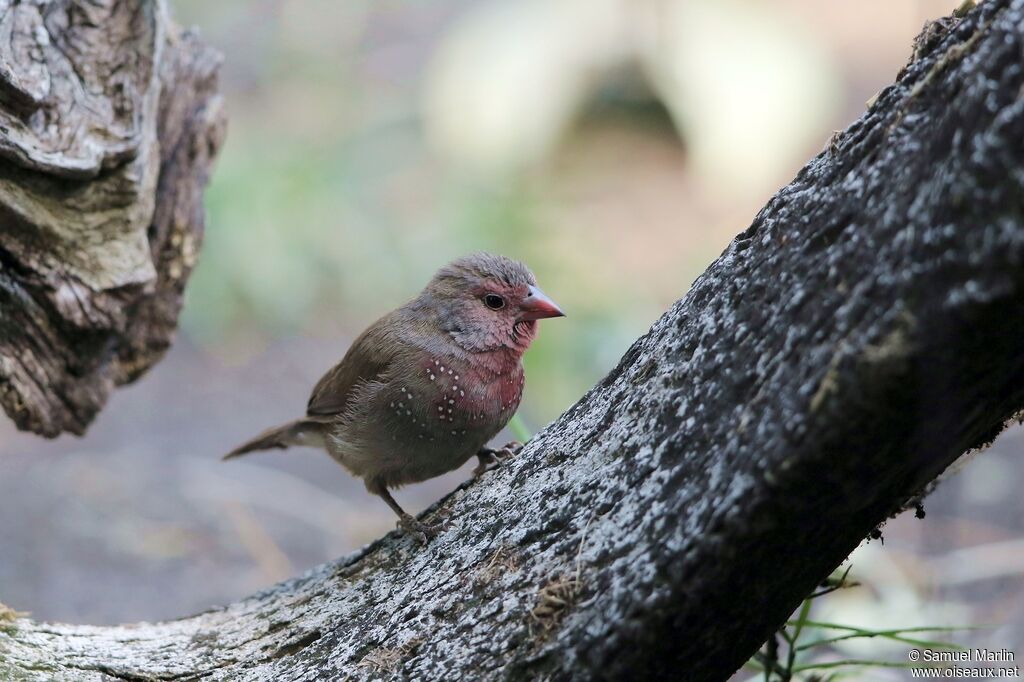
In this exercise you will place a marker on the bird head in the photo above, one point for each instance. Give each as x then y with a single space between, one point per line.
489 302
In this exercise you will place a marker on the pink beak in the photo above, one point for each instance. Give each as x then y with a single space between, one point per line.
537 306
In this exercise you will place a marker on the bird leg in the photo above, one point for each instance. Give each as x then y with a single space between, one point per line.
418 529
489 458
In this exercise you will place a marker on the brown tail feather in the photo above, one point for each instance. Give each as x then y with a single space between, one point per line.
299 432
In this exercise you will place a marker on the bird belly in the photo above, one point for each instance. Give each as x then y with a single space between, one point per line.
401 458
412 431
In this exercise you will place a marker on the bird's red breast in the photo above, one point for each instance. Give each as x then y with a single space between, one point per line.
470 394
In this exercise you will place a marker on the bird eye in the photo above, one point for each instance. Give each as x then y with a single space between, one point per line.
494 302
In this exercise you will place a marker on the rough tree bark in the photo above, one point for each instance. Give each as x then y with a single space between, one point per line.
860 335
109 121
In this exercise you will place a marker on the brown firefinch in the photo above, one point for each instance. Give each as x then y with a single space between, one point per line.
425 387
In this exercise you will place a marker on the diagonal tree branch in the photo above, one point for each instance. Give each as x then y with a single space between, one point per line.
860 335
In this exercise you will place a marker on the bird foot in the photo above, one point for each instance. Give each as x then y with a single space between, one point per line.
419 530
487 462
491 458
509 450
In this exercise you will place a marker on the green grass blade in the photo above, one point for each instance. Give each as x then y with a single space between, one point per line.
852 628
801 619
893 635
863 663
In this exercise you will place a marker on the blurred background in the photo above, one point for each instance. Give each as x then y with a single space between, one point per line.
615 146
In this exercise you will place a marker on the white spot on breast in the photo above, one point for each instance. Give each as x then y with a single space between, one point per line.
432 377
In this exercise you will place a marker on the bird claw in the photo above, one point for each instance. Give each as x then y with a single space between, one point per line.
490 459
420 531
508 450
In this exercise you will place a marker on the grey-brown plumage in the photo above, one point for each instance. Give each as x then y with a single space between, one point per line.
425 387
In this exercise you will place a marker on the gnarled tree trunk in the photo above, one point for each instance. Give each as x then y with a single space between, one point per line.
109 121
860 335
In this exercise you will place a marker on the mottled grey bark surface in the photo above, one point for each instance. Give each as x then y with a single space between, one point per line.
109 121
860 335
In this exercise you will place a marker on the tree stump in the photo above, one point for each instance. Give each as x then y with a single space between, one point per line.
109 121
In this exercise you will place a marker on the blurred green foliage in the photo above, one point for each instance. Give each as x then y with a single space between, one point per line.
333 201
327 207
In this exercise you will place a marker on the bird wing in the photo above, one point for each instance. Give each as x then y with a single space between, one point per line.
366 360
